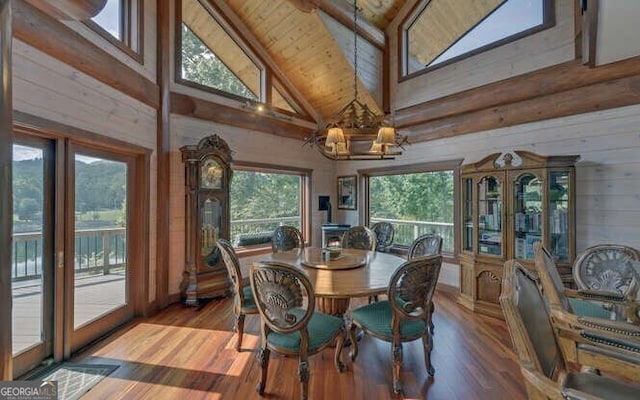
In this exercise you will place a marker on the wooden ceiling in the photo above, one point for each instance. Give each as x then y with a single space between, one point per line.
308 45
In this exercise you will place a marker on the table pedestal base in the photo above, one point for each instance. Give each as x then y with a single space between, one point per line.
333 306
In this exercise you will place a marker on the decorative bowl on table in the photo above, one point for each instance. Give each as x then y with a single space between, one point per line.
333 251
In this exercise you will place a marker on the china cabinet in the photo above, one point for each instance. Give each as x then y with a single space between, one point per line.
207 218
509 201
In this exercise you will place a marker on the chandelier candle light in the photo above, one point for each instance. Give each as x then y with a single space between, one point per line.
356 132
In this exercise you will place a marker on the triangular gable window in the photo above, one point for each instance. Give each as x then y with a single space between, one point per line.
200 65
210 57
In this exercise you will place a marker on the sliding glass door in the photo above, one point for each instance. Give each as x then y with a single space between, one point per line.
97 250
71 261
32 264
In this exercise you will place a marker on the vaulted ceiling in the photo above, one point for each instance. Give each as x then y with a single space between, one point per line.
309 44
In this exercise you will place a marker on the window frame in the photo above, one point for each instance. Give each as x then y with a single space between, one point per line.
132 23
238 41
305 199
548 16
435 166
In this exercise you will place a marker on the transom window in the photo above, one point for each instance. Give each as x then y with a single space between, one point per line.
416 202
263 198
120 22
443 31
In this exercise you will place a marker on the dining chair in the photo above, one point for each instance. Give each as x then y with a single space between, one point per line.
426 245
243 301
289 323
606 267
404 316
286 238
384 235
359 237
543 367
588 303
572 310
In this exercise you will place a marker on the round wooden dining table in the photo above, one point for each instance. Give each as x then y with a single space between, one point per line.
355 273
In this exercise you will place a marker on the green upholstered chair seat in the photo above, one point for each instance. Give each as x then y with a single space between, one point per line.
249 302
584 308
376 318
322 329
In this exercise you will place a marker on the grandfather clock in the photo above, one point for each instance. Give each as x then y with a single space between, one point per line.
207 218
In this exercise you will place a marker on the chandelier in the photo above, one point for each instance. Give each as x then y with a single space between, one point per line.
356 132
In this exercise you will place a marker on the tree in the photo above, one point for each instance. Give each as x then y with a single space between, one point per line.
200 65
28 209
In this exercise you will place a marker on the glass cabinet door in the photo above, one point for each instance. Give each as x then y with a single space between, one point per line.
559 214
467 214
527 215
490 216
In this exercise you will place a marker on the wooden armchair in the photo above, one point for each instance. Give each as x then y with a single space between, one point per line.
290 325
359 237
588 303
384 235
606 268
568 322
243 302
405 315
541 362
286 238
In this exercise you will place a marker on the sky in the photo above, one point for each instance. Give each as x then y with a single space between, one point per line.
512 17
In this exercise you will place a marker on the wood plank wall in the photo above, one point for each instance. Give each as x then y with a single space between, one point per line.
608 141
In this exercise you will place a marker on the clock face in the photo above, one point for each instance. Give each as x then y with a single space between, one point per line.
211 174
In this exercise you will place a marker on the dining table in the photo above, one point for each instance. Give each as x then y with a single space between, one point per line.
352 273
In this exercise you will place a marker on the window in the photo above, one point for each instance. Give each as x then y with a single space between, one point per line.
416 201
210 58
440 31
200 65
263 198
120 22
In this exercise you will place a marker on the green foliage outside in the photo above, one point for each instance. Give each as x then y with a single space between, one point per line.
200 65
425 197
100 194
259 195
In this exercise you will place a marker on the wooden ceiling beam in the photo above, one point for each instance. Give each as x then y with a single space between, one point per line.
548 81
52 37
79 10
207 110
343 13
594 96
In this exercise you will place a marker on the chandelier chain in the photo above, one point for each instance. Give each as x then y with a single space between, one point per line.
355 48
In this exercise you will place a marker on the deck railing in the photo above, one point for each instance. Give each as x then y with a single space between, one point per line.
407 230
252 226
96 251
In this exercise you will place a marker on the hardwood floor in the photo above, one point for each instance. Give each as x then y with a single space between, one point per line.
182 353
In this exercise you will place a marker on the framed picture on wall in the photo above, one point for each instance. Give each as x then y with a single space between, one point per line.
348 192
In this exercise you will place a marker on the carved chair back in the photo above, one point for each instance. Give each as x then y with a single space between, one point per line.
425 245
607 267
359 237
233 269
384 235
286 238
